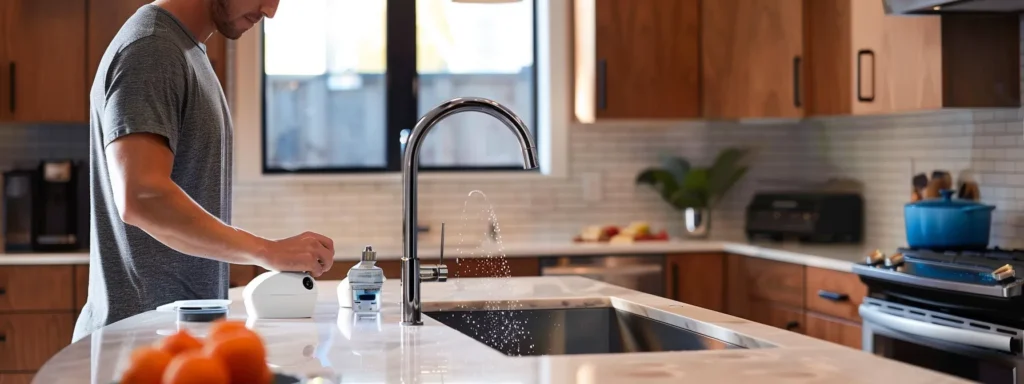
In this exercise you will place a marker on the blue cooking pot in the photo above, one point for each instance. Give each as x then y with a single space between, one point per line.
948 224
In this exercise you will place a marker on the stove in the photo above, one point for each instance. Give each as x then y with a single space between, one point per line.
990 272
958 312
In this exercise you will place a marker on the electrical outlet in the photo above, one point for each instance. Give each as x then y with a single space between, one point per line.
593 190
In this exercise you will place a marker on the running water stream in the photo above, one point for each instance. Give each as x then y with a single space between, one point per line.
480 253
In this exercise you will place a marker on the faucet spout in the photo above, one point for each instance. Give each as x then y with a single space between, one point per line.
412 273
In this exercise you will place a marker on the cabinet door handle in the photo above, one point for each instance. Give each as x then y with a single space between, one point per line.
792 324
861 55
13 71
3 337
3 291
833 296
796 81
675 282
602 84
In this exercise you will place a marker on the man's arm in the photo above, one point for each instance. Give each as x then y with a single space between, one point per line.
140 165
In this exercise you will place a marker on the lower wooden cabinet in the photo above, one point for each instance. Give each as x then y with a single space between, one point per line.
833 329
29 340
240 275
475 267
777 315
696 279
16 378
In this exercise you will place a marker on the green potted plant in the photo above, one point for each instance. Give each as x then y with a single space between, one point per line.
695 191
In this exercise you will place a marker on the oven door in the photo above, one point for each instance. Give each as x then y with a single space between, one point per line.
976 351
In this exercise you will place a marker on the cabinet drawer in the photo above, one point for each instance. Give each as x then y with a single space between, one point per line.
28 340
834 293
34 288
16 378
832 329
779 316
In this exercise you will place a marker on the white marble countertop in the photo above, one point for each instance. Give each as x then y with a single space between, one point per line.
332 345
836 257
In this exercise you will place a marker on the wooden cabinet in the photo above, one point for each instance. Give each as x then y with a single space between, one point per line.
43 58
28 340
105 20
777 315
752 58
820 303
697 279
861 61
465 267
81 286
637 59
16 378
752 280
648 62
38 308
834 293
832 329
981 60
36 288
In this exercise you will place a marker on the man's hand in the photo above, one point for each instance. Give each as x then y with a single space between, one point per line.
308 252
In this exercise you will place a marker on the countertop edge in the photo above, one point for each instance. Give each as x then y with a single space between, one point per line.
842 263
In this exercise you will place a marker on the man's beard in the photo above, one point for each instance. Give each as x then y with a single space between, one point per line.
219 11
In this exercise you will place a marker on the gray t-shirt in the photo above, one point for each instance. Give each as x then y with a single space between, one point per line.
155 78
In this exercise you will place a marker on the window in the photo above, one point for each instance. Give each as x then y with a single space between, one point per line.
339 80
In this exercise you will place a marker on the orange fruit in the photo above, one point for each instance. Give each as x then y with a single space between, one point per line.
180 342
194 367
243 354
225 327
147 366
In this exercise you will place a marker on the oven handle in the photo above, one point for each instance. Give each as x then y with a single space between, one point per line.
938 332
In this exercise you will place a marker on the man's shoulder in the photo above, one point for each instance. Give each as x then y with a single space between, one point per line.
147 32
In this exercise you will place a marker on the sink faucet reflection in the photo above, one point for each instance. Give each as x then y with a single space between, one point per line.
412 272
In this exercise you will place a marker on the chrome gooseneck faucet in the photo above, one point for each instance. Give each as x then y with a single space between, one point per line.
412 272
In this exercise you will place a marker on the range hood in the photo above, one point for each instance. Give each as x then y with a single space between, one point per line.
931 7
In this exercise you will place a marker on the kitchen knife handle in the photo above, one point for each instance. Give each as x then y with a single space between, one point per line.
602 84
861 54
796 81
833 296
13 71
674 295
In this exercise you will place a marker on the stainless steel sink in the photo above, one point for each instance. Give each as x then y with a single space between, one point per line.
571 331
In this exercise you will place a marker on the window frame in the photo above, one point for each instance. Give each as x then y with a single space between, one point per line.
401 99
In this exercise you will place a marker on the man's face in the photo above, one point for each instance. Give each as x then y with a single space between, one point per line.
234 17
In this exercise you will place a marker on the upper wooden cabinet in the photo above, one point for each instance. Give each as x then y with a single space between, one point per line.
637 59
43 58
752 58
860 61
106 18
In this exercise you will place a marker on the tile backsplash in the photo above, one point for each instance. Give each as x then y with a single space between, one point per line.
882 152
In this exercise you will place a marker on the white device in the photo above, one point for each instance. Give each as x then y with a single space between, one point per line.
281 295
362 288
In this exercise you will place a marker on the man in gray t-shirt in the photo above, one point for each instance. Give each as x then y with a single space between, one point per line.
160 163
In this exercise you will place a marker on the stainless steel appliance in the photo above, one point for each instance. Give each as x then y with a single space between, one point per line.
642 273
960 313
952 6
